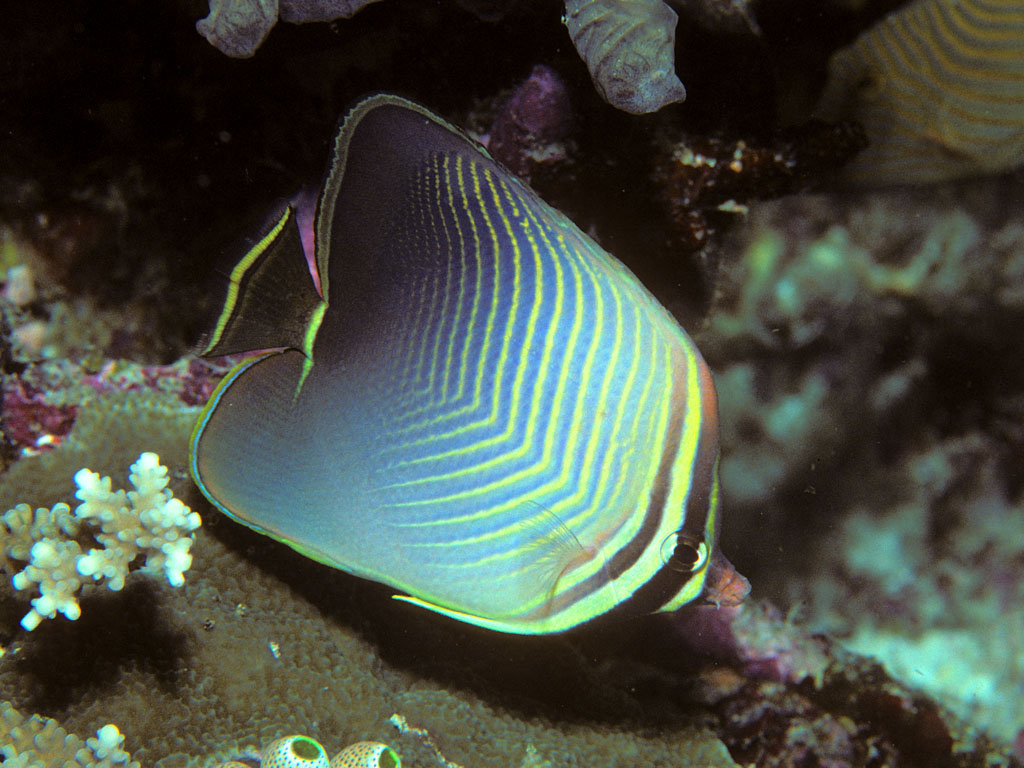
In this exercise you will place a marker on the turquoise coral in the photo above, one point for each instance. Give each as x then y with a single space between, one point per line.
865 377
146 521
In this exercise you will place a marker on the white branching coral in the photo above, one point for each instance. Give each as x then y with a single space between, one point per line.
99 541
106 744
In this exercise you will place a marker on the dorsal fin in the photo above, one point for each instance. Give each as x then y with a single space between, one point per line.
271 300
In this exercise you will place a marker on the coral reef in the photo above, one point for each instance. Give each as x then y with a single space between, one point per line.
871 409
58 417
868 358
32 424
947 585
52 299
42 325
42 404
147 521
705 182
272 643
832 294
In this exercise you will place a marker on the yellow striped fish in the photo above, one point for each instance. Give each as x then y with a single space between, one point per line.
939 89
481 408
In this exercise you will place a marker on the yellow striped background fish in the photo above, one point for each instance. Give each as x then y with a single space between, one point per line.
939 89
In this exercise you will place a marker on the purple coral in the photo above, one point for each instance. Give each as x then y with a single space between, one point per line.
530 127
756 637
31 423
35 413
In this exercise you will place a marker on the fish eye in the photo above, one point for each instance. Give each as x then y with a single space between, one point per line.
684 553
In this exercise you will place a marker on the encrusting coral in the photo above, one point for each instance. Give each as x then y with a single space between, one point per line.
124 525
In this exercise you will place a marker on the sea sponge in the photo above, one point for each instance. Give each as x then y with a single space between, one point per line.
629 48
366 754
147 521
294 752
238 27
628 45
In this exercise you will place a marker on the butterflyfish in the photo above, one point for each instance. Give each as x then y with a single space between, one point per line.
480 407
938 86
